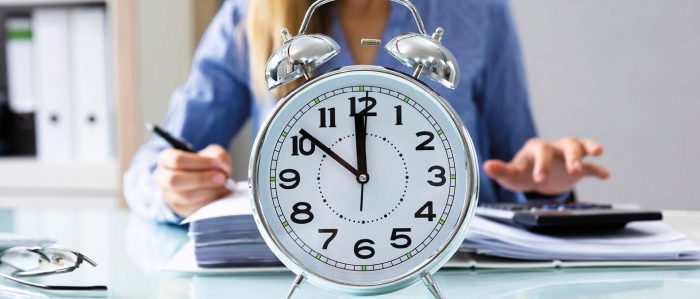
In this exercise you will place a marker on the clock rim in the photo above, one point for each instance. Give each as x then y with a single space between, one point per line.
431 264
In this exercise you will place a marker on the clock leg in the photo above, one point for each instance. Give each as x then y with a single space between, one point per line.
297 282
432 285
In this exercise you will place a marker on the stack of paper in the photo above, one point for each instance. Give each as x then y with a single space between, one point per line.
641 241
225 234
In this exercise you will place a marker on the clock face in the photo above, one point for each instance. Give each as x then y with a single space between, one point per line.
363 177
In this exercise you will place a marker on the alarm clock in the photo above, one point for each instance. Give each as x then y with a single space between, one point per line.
363 179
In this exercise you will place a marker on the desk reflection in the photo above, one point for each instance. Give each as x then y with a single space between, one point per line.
569 283
130 253
149 244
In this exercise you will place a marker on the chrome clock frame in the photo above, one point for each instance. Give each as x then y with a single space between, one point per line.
421 272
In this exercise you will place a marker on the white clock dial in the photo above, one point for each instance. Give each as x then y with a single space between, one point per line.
362 177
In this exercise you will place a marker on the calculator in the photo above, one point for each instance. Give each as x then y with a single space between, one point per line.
564 217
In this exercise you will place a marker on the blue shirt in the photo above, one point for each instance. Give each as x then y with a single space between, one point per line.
217 98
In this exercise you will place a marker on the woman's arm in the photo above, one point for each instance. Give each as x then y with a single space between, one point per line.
533 164
209 108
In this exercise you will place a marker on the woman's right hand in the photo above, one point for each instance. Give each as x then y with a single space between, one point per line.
189 181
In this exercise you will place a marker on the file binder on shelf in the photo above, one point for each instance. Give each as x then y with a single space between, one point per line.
21 102
89 85
50 31
18 36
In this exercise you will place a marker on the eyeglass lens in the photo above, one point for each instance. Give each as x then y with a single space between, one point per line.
39 261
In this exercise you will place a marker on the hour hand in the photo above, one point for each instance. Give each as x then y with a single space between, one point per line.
329 152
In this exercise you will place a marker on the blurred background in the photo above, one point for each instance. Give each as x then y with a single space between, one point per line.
624 72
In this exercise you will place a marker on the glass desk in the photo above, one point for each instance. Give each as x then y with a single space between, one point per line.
130 251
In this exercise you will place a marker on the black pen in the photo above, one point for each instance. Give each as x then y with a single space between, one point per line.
181 145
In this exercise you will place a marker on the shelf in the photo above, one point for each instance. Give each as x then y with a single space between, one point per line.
45 2
36 176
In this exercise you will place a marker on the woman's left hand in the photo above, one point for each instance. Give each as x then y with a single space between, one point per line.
548 167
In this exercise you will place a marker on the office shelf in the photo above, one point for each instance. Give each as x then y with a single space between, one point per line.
52 183
46 2
40 179
36 176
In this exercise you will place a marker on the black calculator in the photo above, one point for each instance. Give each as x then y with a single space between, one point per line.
566 216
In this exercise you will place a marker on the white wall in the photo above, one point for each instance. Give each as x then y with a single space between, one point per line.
627 73
165 52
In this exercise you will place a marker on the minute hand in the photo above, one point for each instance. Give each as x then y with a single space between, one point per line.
361 143
329 152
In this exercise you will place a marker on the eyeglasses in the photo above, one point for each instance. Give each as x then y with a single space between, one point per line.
47 260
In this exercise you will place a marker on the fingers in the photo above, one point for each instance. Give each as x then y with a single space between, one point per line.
592 147
508 175
499 170
183 171
573 150
188 181
591 169
543 154
505 174
220 155
179 180
176 159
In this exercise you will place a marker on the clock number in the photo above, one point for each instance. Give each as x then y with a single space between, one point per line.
332 231
440 175
299 145
290 176
399 120
421 213
369 251
322 112
396 235
424 146
370 102
302 208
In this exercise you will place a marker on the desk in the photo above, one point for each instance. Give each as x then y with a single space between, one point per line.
129 251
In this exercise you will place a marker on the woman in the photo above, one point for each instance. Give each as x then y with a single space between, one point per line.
226 87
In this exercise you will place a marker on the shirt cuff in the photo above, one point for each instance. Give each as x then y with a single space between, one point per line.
167 213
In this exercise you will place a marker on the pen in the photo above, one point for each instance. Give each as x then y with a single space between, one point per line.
181 145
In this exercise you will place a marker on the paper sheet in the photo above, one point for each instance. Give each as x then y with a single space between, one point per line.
646 240
235 204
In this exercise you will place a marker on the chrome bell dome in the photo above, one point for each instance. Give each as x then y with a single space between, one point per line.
427 56
298 56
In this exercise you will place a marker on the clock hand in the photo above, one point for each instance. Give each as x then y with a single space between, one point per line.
361 147
329 152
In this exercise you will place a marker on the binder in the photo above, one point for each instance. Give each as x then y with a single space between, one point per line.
87 42
18 35
20 117
52 78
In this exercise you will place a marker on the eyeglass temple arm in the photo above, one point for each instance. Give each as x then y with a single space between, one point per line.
319 3
54 288
87 259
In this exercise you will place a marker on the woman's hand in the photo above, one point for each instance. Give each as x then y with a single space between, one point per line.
189 181
548 167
